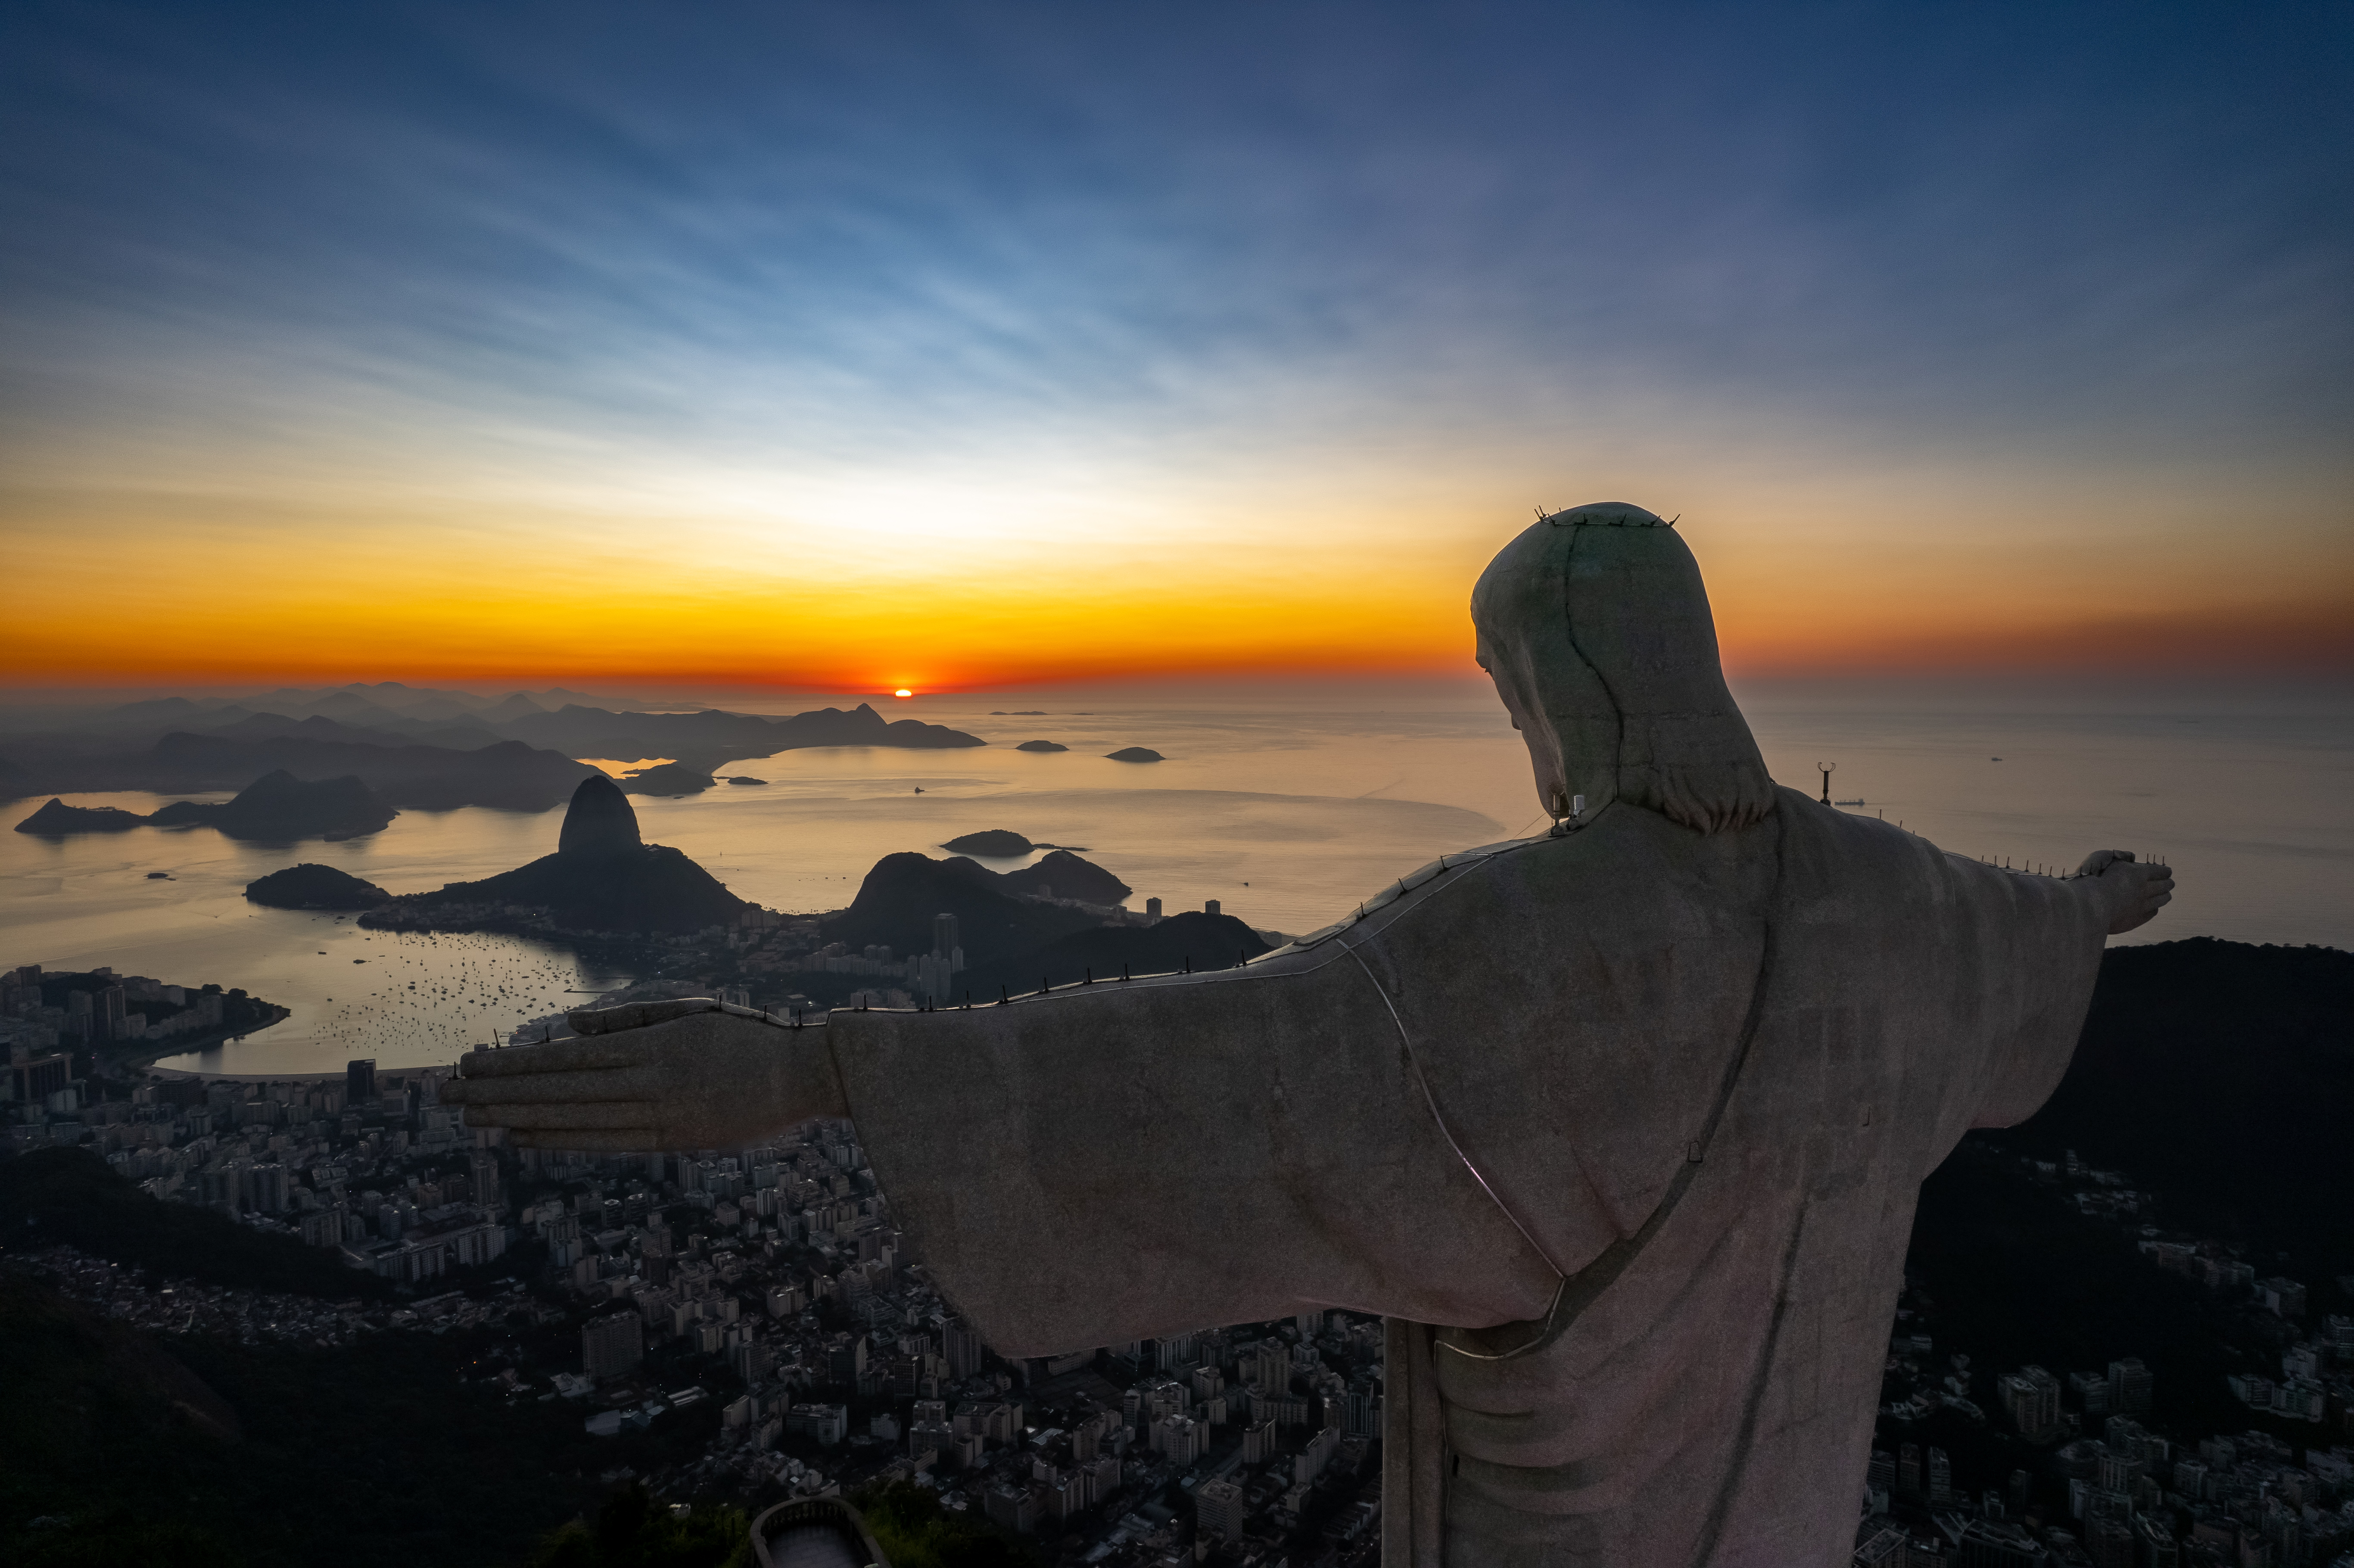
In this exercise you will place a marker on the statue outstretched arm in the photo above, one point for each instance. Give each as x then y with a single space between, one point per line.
1127 1159
1094 1166
2042 937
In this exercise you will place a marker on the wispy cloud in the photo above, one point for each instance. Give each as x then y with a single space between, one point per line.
1035 296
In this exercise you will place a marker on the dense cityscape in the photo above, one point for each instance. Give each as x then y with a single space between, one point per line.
768 1285
765 1284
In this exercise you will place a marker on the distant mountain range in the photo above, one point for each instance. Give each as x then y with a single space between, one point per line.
432 750
504 773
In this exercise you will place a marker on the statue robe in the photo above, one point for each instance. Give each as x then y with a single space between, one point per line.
1622 1130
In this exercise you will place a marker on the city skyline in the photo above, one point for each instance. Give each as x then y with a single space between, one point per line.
860 350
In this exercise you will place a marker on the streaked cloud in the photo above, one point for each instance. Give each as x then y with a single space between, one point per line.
799 343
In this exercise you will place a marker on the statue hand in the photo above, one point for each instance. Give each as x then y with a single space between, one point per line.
652 1075
2136 892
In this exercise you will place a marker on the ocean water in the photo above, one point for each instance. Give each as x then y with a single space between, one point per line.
1288 814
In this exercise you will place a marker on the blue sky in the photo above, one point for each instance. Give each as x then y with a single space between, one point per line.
1101 271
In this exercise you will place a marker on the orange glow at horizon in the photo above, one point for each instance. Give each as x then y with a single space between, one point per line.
381 351
195 599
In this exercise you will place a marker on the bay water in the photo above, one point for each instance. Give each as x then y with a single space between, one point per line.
1288 812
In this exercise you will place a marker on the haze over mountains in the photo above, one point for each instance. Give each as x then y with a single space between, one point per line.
415 747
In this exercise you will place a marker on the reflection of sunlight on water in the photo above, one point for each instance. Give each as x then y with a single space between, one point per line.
616 768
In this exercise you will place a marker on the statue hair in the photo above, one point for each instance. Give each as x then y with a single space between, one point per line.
1595 622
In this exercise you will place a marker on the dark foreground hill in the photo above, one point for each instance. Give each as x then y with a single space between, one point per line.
194 1452
2222 1075
122 1447
2215 1078
68 1197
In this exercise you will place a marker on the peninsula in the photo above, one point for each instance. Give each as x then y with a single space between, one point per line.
603 877
56 819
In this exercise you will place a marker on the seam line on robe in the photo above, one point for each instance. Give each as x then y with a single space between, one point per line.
1579 1291
1439 1117
1753 1402
1618 708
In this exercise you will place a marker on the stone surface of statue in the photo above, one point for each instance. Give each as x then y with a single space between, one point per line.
1620 1127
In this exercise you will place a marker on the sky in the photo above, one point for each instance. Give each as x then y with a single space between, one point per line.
962 345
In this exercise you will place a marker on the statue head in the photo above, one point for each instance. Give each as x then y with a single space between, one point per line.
1596 631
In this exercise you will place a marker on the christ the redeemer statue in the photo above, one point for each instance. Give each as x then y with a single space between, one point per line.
1620 1127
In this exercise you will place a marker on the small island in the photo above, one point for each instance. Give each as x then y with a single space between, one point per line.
56 819
1135 754
308 886
745 778
279 806
1042 746
998 843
